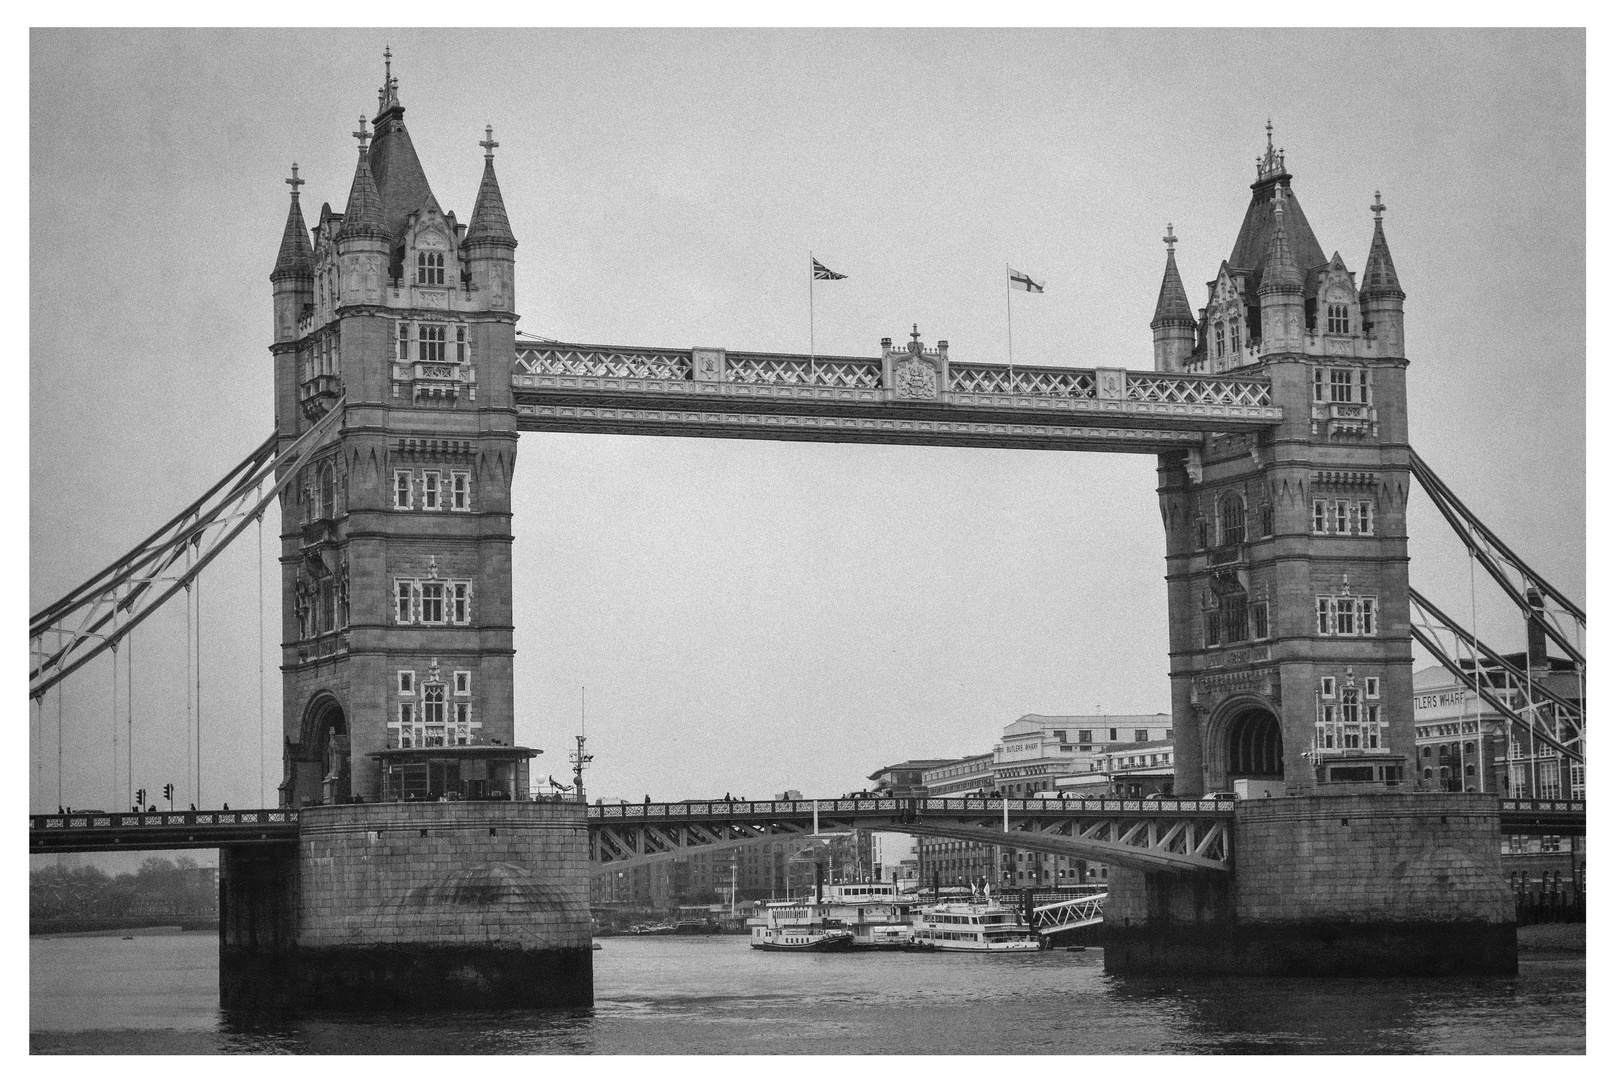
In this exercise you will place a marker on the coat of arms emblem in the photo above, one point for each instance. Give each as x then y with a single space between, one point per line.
915 379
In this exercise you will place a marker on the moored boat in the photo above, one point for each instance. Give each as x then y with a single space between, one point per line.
974 925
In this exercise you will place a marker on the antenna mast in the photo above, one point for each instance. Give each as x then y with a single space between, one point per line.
580 759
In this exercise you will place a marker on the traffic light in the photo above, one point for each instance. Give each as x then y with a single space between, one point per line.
140 798
168 793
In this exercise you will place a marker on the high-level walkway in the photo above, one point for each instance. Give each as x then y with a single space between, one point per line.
560 386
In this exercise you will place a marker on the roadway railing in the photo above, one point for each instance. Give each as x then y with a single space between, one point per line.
96 831
874 807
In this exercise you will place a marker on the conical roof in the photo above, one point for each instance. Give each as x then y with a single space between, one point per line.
362 218
1256 232
1379 276
400 180
1172 306
489 223
1279 270
296 258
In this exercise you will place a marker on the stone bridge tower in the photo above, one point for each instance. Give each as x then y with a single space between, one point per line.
1291 658
395 543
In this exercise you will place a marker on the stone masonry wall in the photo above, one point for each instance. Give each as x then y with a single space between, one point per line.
506 875
1369 858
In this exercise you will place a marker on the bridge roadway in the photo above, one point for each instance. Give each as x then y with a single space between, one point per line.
1173 835
908 396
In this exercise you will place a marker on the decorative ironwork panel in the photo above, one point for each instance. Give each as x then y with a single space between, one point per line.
765 370
1040 382
1180 390
603 363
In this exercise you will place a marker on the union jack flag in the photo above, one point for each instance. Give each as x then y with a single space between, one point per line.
824 273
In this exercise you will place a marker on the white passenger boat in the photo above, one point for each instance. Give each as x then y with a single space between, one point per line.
975 925
796 926
862 915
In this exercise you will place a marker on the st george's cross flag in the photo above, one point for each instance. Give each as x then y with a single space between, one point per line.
824 273
1024 282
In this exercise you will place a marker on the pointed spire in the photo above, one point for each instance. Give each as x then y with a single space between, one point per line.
362 218
388 94
296 258
1279 270
489 223
1173 303
1270 166
1379 276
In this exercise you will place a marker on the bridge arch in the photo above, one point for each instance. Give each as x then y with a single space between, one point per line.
1244 740
326 772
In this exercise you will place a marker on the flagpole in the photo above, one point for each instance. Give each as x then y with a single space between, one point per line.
1009 325
811 275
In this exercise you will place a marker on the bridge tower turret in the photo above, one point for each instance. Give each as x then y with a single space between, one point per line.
395 545
1173 324
1287 551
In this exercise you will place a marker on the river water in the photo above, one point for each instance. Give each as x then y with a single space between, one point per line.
158 994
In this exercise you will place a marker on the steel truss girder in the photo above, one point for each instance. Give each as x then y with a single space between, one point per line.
1170 835
1069 914
70 632
1181 846
1429 622
643 842
1498 559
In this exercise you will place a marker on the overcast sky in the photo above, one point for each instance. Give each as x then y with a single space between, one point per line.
752 616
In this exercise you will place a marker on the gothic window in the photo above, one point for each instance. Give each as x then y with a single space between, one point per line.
1346 616
405 596
431 601
1202 530
1371 687
1339 320
432 343
403 341
327 611
1343 517
459 491
432 703
1326 686
462 683
1234 621
1231 519
402 495
430 482
1360 516
1265 518
1213 628
406 682
1350 710
1219 332
462 603
429 268
1233 336
407 732
328 491
1259 620
459 344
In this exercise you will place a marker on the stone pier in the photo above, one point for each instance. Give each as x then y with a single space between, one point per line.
400 905
1372 884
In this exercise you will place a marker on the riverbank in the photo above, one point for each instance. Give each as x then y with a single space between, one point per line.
1553 937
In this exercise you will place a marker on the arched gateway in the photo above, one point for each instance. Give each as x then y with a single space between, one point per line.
1277 413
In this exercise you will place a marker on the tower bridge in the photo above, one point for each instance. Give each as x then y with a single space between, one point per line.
1278 414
